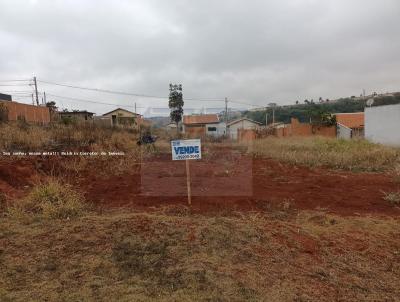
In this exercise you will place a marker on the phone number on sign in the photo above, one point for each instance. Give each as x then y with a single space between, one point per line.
188 156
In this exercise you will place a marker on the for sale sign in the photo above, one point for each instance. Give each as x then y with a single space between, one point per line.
186 149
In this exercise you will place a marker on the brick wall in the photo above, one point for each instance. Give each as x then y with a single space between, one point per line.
246 135
32 114
295 128
195 131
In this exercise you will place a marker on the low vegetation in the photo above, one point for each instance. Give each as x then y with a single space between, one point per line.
392 197
61 137
53 248
163 256
50 200
3 113
308 108
353 155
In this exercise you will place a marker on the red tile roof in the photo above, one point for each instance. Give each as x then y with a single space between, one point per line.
351 120
200 119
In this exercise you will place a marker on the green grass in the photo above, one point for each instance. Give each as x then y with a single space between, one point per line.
353 155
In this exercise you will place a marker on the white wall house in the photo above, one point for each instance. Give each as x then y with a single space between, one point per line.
203 125
243 123
216 130
382 124
343 132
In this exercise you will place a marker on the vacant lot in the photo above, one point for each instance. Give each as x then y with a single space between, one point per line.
352 155
279 254
264 225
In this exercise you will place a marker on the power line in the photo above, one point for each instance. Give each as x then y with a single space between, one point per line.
122 105
242 103
144 95
128 93
88 101
15 80
7 85
16 91
20 94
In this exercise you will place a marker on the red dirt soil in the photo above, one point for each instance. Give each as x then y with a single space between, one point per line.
234 182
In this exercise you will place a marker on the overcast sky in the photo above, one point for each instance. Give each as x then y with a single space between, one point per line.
252 51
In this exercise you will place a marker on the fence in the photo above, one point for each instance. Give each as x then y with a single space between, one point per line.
30 113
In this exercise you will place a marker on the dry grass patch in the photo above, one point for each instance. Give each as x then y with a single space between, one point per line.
14 138
60 137
50 200
160 257
392 197
353 155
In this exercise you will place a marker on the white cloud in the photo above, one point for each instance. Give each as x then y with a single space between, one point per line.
255 51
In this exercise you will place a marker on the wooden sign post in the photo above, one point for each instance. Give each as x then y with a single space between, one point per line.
189 190
186 150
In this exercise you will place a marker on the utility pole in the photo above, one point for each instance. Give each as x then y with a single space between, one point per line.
273 115
33 101
44 96
273 105
137 121
226 110
36 92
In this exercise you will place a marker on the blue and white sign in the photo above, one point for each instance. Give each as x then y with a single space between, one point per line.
186 149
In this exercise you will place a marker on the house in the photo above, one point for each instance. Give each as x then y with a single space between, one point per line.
233 127
76 115
171 127
31 114
382 124
102 121
203 125
350 125
121 116
5 97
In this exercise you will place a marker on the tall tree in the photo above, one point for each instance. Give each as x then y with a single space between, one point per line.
176 104
53 110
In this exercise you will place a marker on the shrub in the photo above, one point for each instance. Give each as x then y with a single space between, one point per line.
3 202
51 200
3 113
66 120
22 123
392 197
32 138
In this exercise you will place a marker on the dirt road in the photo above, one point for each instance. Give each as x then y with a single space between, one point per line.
220 181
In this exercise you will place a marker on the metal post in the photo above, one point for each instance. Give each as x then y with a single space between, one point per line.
36 92
226 110
273 116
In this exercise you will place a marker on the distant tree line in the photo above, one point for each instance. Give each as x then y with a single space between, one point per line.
319 112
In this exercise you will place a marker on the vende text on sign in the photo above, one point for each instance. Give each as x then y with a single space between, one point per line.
186 149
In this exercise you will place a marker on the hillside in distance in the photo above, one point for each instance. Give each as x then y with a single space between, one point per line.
304 111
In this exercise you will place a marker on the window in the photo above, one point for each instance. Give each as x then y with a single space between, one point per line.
212 128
